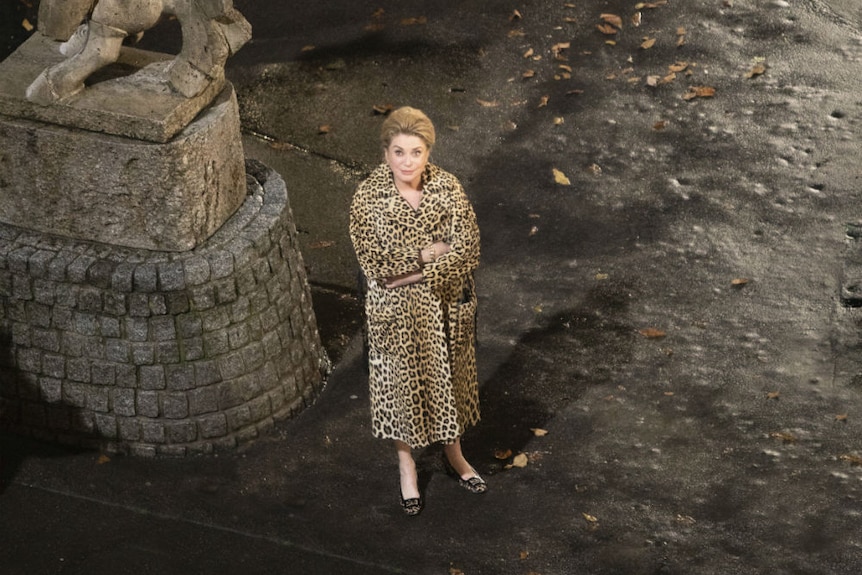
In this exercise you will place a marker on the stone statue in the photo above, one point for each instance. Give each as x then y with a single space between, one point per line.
212 31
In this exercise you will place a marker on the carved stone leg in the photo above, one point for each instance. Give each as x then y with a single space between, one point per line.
67 78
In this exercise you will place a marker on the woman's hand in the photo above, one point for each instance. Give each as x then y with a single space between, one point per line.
432 252
402 280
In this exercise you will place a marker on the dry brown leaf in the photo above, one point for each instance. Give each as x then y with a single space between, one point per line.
538 432
488 103
590 518
533 231
515 16
529 53
853 460
686 519
307 48
557 50
756 70
561 178
647 43
570 20
574 92
841 417
784 436
516 33
739 282
502 454
601 276
699 92
595 169
652 333
102 459
636 19
678 66
455 571
612 19
606 29
324 129
660 125
383 109
414 21
559 120
543 101
523 555
520 460
321 244
27 25
669 393
773 395
528 74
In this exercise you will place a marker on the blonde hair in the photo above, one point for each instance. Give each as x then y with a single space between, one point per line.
409 122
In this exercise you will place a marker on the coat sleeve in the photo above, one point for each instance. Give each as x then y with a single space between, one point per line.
375 261
464 241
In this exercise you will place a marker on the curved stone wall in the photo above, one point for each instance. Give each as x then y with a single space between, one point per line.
150 353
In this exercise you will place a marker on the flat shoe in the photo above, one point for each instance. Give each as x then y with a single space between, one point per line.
474 484
412 506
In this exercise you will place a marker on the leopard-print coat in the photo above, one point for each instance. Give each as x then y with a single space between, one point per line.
421 337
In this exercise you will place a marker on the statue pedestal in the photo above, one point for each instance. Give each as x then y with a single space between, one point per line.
121 191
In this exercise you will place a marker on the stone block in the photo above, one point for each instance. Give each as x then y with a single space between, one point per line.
121 191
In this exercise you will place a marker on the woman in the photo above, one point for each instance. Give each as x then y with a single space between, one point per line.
417 242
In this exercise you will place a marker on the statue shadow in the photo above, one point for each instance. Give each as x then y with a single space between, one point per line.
22 407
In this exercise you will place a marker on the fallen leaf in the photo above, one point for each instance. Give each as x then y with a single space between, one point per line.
488 103
324 129
565 67
669 393
455 571
543 101
515 16
502 454
538 308
414 21
574 92
612 19
841 417
636 19
590 518
528 74
756 70
853 460
561 178
559 120
382 109
27 25
699 92
773 395
539 432
606 29
523 555
595 169
529 53
321 244
516 33
533 231
678 66
652 333
520 460
738 282
686 519
570 20
647 43
557 49
307 48
601 276
660 125
784 436
102 459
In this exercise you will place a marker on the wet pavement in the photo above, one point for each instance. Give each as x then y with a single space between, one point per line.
671 317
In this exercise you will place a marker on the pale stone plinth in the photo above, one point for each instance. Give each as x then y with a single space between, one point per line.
129 98
126 192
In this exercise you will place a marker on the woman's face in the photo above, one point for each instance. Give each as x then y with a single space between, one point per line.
407 156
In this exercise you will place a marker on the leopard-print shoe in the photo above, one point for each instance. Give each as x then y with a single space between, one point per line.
474 484
412 506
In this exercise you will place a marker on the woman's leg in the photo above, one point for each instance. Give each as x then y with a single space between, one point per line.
457 461
407 469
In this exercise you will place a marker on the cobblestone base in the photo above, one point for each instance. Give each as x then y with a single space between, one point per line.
149 353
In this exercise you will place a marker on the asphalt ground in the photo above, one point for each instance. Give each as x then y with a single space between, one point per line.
659 292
